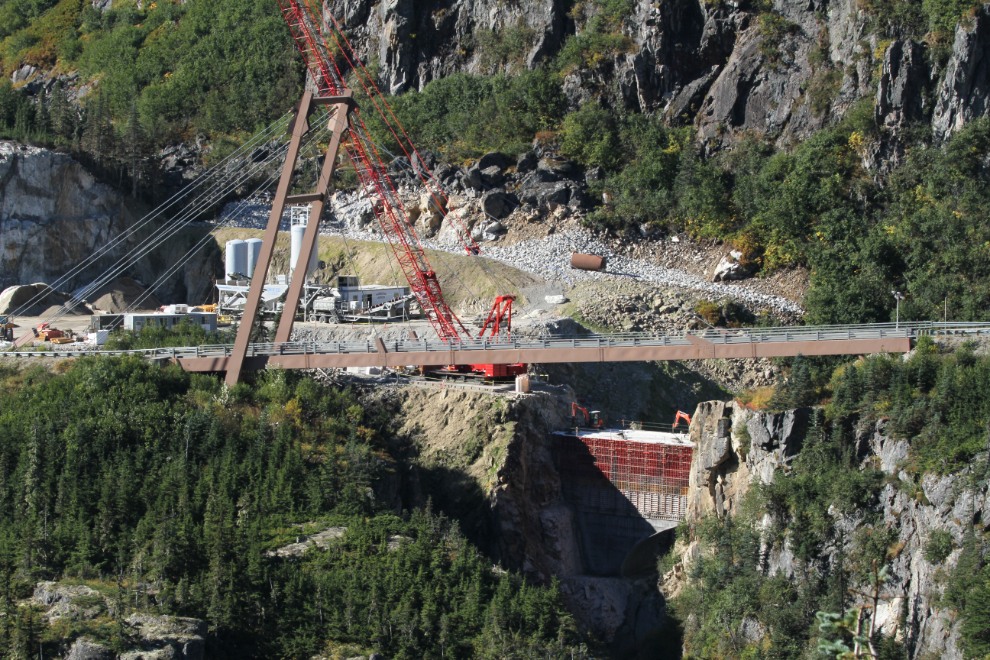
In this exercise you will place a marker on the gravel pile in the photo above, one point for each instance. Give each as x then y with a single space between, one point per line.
548 258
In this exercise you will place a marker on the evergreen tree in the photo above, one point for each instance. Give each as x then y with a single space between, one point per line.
134 146
97 135
63 114
42 117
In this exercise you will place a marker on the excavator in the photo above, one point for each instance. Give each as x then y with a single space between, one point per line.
593 420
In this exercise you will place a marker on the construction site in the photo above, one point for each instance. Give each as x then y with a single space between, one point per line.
476 317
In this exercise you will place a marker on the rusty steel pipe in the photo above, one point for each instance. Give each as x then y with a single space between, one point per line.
587 262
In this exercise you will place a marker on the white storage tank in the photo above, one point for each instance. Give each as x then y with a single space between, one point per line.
253 253
235 257
296 233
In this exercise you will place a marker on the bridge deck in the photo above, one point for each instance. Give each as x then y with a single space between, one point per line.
619 347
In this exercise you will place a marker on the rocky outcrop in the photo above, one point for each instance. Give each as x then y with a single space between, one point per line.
965 91
166 638
737 448
54 217
74 602
523 518
900 91
85 649
788 71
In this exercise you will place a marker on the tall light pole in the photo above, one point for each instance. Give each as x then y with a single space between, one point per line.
898 296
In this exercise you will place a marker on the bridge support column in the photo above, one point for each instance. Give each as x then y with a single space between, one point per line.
300 127
340 122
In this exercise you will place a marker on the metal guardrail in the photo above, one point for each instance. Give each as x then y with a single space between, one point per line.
612 340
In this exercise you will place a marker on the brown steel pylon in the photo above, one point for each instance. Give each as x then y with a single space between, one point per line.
338 124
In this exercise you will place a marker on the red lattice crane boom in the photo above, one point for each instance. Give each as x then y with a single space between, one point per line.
325 49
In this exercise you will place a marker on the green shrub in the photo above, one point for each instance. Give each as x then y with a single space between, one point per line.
590 136
506 47
938 546
773 28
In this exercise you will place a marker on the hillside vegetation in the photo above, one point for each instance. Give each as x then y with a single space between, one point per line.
116 474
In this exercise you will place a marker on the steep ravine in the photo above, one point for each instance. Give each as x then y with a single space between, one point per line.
487 460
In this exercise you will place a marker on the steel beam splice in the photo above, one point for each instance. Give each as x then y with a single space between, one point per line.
706 348
347 97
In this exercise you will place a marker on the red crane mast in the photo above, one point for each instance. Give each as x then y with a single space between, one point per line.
318 41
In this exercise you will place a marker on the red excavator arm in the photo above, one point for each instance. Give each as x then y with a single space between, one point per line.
679 416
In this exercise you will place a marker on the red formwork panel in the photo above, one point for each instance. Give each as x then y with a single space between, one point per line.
606 472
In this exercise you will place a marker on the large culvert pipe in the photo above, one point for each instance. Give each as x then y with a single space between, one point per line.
587 262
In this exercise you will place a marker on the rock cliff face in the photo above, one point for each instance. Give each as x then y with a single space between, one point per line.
54 215
737 449
493 459
724 66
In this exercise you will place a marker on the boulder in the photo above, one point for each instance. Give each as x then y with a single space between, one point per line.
546 195
472 179
497 204
556 165
526 162
491 176
492 159
731 268
534 179
424 157
84 649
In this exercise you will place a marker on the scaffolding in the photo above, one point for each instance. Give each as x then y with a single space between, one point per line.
630 472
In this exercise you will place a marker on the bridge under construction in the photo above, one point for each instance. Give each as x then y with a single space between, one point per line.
624 347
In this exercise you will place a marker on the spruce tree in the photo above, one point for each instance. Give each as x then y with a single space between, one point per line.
62 113
134 145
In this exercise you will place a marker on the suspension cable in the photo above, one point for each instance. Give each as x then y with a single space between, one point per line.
203 177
